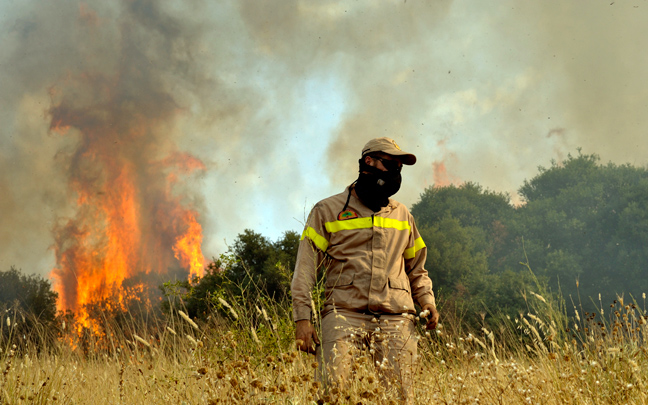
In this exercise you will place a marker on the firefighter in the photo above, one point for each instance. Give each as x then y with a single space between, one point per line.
373 259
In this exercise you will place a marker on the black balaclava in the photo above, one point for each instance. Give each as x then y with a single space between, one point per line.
376 186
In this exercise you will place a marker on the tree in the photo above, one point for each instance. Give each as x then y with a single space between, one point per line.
30 305
266 265
466 230
32 294
586 227
487 213
253 267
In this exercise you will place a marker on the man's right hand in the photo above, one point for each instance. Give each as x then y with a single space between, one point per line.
306 337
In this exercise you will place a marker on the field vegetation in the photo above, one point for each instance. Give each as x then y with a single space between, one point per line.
243 352
571 331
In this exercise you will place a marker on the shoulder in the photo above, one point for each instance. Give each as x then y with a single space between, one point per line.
330 205
400 210
398 207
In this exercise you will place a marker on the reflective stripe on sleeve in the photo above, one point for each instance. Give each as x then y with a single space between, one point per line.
411 252
318 240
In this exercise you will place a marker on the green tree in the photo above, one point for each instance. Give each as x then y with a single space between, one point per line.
466 230
29 304
266 265
32 294
253 267
487 213
586 227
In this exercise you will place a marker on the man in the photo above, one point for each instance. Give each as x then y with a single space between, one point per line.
373 257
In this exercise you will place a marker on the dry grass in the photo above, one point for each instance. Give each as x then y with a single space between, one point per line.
248 357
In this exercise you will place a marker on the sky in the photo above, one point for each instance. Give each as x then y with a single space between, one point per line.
277 98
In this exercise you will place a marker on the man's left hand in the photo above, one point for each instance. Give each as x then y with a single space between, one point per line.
433 318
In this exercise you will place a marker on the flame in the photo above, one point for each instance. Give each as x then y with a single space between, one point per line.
187 247
440 174
129 223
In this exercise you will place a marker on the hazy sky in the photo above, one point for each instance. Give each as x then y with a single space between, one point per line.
278 97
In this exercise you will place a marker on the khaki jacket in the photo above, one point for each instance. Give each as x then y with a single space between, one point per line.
373 261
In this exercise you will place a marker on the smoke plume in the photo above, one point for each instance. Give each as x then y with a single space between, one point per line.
245 113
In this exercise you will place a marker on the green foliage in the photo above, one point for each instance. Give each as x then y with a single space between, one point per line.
469 203
28 305
29 293
487 214
253 267
588 222
466 230
583 228
263 263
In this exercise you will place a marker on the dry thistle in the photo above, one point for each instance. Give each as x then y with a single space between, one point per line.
189 321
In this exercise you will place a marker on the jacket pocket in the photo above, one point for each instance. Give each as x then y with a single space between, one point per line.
339 280
399 284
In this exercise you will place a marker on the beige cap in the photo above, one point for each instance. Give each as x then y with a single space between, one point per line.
388 146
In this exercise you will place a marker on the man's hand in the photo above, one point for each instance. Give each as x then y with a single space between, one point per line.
433 319
306 337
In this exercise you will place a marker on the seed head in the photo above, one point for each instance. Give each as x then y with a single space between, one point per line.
254 336
228 306
142 341
189 321
192 340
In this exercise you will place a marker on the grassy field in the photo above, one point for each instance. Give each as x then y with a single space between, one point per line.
246 355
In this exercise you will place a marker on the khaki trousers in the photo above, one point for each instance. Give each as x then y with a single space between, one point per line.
389 341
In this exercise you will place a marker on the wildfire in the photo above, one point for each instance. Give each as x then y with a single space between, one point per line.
187 247
130 229
440 174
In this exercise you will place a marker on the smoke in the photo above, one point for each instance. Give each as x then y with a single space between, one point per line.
276 98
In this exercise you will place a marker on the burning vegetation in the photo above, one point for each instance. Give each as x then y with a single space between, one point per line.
131 227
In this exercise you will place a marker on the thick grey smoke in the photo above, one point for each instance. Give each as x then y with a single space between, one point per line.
278 97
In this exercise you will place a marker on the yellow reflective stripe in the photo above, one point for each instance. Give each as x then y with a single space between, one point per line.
357 223
318 240
411 252
391 223
364 223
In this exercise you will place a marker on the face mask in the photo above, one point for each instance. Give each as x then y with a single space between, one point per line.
376 186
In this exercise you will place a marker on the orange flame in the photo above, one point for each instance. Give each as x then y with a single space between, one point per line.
440 174
187 248
128 223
